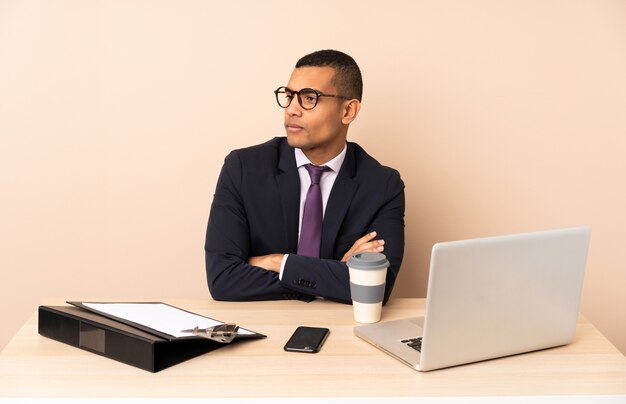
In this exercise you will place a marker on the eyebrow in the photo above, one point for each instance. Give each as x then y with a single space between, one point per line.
305 88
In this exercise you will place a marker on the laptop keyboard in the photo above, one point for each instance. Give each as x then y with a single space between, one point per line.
415 343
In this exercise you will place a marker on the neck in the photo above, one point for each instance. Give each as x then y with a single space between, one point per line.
320 157
323 153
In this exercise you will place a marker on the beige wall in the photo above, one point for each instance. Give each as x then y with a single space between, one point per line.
502 116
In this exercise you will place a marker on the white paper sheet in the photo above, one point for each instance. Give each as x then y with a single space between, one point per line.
159 316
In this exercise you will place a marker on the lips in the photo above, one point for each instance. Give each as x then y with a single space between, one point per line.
292 127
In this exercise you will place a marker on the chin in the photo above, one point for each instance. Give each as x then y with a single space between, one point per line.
296 141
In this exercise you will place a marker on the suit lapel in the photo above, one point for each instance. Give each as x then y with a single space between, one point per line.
288 182
338 202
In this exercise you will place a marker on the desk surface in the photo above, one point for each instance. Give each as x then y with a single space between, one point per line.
32 365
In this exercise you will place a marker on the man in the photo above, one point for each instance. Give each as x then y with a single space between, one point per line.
266 238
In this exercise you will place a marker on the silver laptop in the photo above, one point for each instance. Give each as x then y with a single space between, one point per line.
491 297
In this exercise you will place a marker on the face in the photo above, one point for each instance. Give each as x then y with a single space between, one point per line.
319 132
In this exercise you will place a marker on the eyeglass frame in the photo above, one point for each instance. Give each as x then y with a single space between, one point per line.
318 93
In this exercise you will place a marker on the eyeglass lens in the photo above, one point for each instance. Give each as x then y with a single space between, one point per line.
307 98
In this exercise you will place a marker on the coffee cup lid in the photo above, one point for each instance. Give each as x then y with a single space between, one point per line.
368 260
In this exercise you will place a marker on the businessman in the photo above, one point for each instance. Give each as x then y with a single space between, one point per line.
287 214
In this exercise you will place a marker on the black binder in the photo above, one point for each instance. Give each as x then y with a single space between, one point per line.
122 342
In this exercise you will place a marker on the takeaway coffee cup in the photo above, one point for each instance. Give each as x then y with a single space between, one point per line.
368 271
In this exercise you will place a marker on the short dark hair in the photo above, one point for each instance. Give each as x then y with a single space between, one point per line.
347 78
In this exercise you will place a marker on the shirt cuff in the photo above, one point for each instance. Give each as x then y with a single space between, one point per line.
282 266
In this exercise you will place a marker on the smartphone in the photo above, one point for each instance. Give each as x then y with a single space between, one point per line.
307 339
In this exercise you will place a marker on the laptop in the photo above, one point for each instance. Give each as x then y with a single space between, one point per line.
491 297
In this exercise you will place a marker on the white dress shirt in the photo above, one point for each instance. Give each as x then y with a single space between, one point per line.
326 185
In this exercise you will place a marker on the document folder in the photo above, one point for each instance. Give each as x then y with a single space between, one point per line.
122 342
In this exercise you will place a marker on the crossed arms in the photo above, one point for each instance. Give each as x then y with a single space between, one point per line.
246 239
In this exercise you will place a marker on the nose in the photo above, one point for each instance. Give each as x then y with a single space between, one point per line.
294 108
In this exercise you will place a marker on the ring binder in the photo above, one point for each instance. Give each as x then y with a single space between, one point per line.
122 342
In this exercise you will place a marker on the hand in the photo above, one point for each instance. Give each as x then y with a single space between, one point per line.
365 243
270 262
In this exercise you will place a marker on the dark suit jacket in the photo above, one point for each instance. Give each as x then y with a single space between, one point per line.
255 212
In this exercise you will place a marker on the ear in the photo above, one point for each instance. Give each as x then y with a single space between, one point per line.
350 111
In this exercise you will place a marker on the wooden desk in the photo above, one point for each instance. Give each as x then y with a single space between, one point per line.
35 366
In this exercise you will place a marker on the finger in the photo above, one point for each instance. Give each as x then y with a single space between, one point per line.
356 244
376 245
366 238
372 246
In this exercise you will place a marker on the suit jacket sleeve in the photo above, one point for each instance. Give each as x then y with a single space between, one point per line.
330 277
227 246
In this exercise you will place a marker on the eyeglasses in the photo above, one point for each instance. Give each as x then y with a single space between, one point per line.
307 97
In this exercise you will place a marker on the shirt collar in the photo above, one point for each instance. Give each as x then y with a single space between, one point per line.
334 164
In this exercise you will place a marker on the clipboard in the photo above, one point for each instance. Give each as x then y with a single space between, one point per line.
138 320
